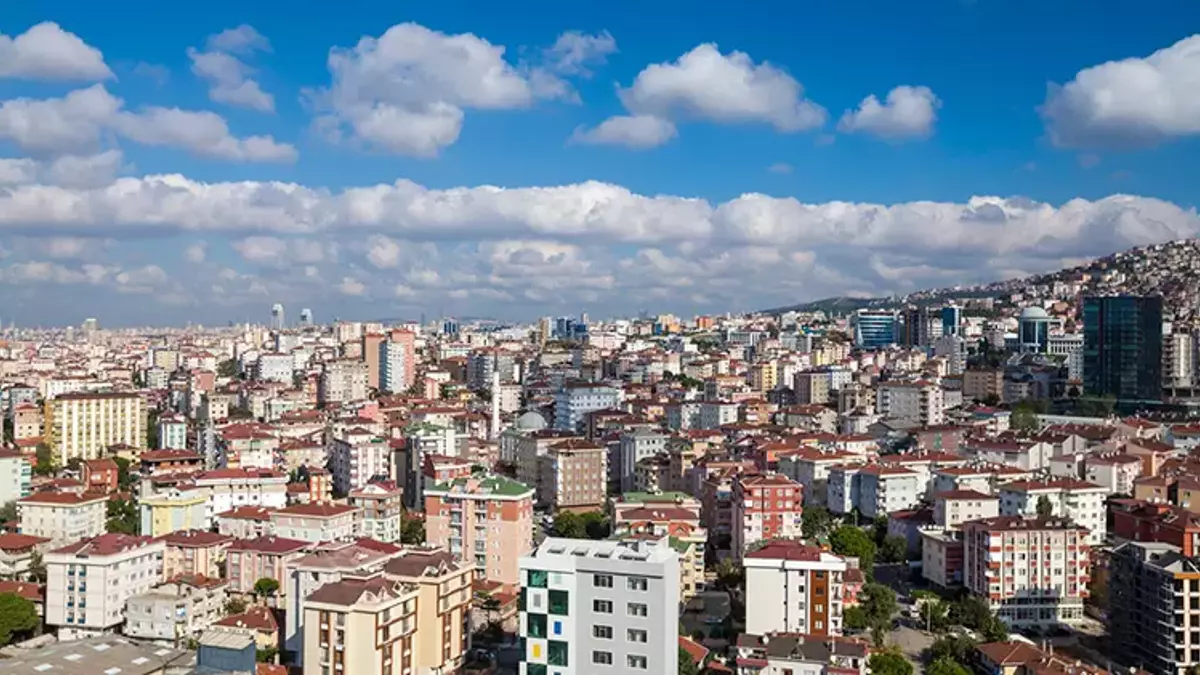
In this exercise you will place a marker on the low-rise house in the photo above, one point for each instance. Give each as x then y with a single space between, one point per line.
257 622
779 653
179 609
317 522
100 475
16 553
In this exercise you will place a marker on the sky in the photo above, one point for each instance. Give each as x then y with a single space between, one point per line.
171 163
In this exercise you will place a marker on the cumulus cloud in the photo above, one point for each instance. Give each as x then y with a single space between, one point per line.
79 171
574 52
196 252
47 52
1128 103
405 92
705 84
229 77
907 112
77 122
276 252
632 131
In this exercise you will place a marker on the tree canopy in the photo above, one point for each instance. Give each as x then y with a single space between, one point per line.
266 587
852 541
686 665
816 521
889 662
17 615
122 517
590 525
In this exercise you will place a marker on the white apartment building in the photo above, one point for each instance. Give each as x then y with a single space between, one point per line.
574 401
920 402
273 368
953 508
357 457
683 415
716 414
86 425
393 367
1069 498
89 582
595 606
226 489
974 478
810 468
1114 472
884 489
794 588
1031 572
62 517
343 380
172 433
16 476
176 610
843 488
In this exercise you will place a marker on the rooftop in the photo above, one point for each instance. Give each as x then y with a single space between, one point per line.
89 656
111 543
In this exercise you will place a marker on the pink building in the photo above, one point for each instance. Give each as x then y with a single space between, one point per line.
765 507
194 552
487 520
249 560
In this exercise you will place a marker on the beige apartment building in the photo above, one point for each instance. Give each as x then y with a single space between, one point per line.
62 517
85 425
317 522
181 608
364 625
381 502
485 519
249 560
573 475
443 607
89 582
194 552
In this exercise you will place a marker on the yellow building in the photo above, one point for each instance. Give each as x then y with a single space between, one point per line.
173 511
365 626
86 425
444 609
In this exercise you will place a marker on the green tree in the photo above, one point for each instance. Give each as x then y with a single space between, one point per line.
730 575
17 615
957 648
852 541
893 550
816 522
1024 419
266 587
122 516
1044 508
889 662
854 618
596 525
935 615
37 568
945 666
266 655
974 613
46 461
152 430
879 604
570 525
75 464
227 368
686 665
1098 589
412 530
8 511
235 606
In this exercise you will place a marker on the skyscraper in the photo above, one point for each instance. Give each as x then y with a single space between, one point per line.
306 317
874 328
1122 347
277 320
951 320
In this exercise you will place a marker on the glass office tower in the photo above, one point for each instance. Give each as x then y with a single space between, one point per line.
1122 347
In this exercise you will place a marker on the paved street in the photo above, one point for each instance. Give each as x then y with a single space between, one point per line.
912 642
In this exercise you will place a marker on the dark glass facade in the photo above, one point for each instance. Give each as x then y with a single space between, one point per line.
1122 347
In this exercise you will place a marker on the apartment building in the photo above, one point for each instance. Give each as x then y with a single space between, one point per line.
357 457
346 380
16 554
806 654
89 582
317 522
248 560
486 519
179 609
953 508
573 475
62 517
765 507
170 461
27 421
362 625
227 489
194 553
575 400
1115 472
173 510
245 522
1075 499
594 606
920 402
380 502
673 516
16 476
810 468
1033 572
887 489
842 488
443 606
1154 602
794 588
85 425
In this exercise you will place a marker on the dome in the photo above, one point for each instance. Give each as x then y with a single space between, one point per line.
531 421
1034 314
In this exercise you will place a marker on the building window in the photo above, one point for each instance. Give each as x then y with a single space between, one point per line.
559 602
602 606
535 625
636 662
637 609
556 653
602 632
538 578
602 581
636 635
602 658
636 584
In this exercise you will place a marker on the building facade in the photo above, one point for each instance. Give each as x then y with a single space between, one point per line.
485 519
794 588
85 425
1122 347
89 582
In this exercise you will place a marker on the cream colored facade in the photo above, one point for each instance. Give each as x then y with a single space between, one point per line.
62 517
364 626
85 425
443 609
89 582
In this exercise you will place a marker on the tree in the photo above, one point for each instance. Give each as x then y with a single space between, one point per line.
37 568
957 648
122 516
854 618
1044 508
893 550
228 368
935 615
879 604
266 587
730 575
570 525
152 430
595 525
889 662
686 665
816 522
8 511
974 613
945 666
266 655
124 477
852 541
45 459
412 530
17 615
75 464
1024 419
235 606
1098 589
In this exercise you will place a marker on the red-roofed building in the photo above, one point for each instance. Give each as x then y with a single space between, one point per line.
1139 520
765 507
155 462
16 553
62 516
248 560
322 521
195 552
381 502
258 622
89 581
245 522
100 475
794 587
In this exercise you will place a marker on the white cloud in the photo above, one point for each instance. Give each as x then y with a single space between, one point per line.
351 286
574 51
907 112
276 252
405 92
1132 102
705 84
17 171
229 76
76 123
47 52
78 171
157 73
632 131
196 253
71 248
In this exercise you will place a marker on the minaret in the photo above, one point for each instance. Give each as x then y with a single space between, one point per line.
495 430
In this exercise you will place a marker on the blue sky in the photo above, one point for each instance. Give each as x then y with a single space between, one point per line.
735 136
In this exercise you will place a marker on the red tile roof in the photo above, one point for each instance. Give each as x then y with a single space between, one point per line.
19 542
319 510
64 498
784 549
195 538
111 543
259 513
30 591
257 618
275 545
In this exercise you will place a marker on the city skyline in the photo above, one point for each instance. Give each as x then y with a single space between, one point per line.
224 159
